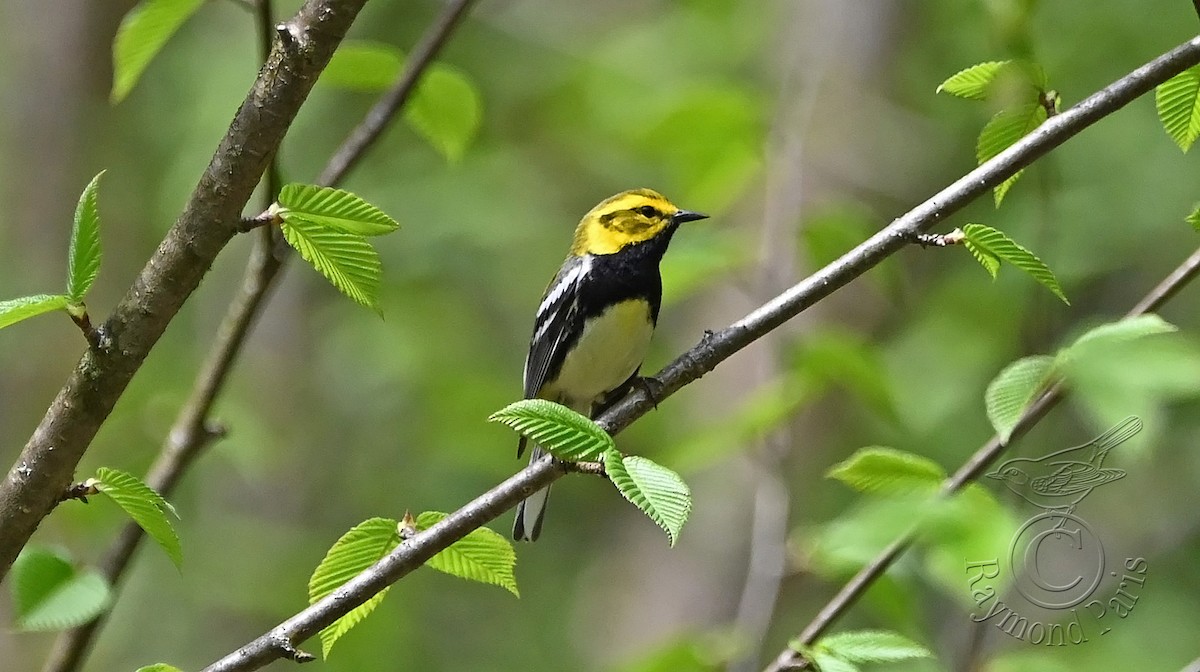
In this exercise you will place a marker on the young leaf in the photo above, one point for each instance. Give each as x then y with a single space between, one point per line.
84 259
335 209
973 82
1128 329
659 492
565 433
143 32
982 239
347 260
1178 103
15 310
1014 389
887 470
872 646
147 508
363 66
364 545
1194 218
49 594
482 555
445 110
1004 129
159 667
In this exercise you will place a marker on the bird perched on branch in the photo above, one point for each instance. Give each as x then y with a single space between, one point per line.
596 318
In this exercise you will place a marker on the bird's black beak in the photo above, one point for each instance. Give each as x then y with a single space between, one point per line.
686 216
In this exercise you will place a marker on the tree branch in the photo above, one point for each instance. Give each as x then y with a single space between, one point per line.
47 463
967 473
192 432
713 349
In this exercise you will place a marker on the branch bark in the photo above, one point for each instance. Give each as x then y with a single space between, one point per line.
713 349
47 462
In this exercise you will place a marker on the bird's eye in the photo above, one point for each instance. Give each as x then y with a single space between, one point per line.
648 211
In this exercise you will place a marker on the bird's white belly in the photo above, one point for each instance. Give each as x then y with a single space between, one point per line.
609 350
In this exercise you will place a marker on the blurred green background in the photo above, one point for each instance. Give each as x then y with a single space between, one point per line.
800 127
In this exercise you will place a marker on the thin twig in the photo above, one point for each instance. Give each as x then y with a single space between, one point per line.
966 474
713 349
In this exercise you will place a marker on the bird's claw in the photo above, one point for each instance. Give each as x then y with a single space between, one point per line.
653 388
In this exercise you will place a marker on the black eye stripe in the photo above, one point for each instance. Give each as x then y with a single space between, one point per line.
649 211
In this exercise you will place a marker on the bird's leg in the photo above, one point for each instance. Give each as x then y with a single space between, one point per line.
653 388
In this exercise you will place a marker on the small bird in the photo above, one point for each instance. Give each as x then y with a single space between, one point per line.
596 318
1059 481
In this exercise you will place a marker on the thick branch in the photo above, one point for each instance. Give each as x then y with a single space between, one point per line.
712 350
966 474
47 463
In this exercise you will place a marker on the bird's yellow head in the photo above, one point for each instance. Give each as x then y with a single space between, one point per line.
627 218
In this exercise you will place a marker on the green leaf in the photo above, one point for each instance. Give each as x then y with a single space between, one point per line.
482 555
887 470
159 667
143 32
1178 103
872 646
84 259
15 310
984 240
1194 218
659 492
1004 129
566 434
973 82
360 548
147 508
1128 329
347 260
1014 389
827 662
49 594
334 209
445 110
363 66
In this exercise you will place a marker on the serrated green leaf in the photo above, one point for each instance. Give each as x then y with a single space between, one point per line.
872 646
999 245
363 66
1004 129
482 555
50 594
1128 329
827 662
334 208
1014 389
887 470
1193 218
973 82
1178 103
15 310
564 433
659 492
83 261
363 546
147 508
445 110
159 667
143 32
347 260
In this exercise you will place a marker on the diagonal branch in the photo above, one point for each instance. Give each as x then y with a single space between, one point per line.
192 430
47 463
713 349
966 474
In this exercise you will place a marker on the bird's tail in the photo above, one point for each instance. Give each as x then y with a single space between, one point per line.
1120 433
530 512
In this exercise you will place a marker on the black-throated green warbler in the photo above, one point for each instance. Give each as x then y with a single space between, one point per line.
595 321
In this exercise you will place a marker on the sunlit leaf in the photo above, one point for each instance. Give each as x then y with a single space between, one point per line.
83 264
1014 389
347 260
972 82
1004 129
143 32
984 240
333 208
1178 103
1128 329
564 433
872 646
887 470
482 555
50 594
159 667
363 546
659 492
147 508
446 110
1193 218
15 310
